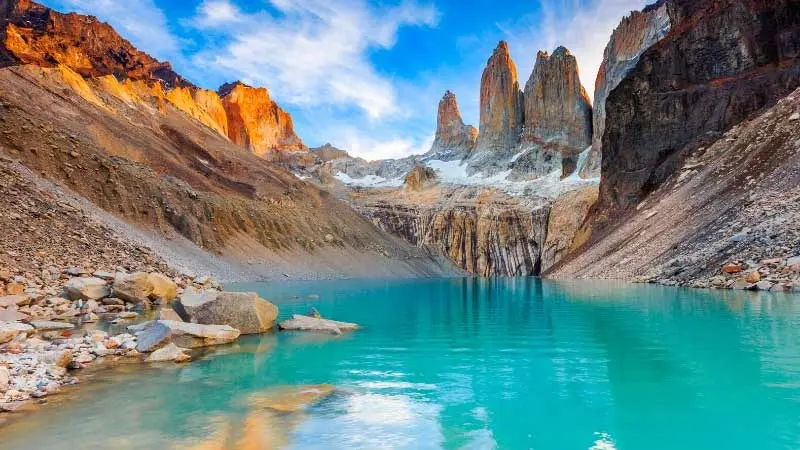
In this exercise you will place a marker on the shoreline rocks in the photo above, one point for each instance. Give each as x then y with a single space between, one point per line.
317 325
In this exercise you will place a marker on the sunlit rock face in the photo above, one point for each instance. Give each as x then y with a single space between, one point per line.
635 34
722 61
454 140
558 112
34 34
203 105
500 103
257 123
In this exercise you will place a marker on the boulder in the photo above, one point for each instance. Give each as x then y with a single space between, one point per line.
5 379
44 325
732 268
192 299
14 300
169 352
12 315
318 325
15 288
135 288
10 330
162 287
168 313
291 399
86 289
753 277
157 334
247 312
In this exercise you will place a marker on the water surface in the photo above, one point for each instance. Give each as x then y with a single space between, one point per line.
472 364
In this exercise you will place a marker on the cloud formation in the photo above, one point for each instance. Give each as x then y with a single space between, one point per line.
311 52
583 26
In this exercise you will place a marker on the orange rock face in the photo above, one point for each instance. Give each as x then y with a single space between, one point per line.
454 139
203 105
501 103
34 34
256 122
557 108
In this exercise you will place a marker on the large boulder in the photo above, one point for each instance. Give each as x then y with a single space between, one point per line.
162 287
86 289
190 300
169 352
134 288
10 330
245 311
316 324
156 334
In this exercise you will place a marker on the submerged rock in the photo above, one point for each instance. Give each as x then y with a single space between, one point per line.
318 325
291 399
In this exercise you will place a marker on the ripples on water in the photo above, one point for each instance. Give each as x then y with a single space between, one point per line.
471 364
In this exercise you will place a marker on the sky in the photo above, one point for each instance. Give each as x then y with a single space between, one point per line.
363 75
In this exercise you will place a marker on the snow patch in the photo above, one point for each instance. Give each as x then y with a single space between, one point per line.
368 181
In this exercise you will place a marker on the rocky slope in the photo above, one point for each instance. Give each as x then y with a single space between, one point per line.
558 112
728 217
635 34
721 62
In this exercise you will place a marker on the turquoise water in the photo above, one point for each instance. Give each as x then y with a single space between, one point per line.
473 364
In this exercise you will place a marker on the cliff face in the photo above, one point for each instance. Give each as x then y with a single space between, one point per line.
34 34
257 123
558 113
203 105
722 61
557 108
500 103
454 140
635 34
495 236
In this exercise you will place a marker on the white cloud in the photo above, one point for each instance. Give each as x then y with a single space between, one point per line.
141 22
314 52
363 145
583 26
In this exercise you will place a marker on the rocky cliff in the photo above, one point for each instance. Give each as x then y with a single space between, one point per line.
257 123
635 34
454 140
34 34
558 112
722 61
500 103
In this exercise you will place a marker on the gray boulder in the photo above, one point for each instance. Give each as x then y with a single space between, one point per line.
247 312
315 324
87 289
192 299
154 335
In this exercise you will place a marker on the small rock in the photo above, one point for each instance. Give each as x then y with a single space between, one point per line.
764 285
732 268
44 325
5 379
15 288
753 277
169 352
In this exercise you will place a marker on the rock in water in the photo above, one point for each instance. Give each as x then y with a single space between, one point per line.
169 352
454 140
86 289
318 325
247 312
291 399
190 300
158 333
558 113
500 103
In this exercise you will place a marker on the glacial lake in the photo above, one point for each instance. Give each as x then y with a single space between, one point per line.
468 364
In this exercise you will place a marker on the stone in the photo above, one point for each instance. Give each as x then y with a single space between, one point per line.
741 284
169 352
186 335
168 313
89 318
103 275
162 287
764 285
420 178
318 325
753 277
190 300
15 288
244 311
566 217
793 261
10 330
14 300
86 289
15 348
12 315
732 268
44 325
501 111
134 288
5 379
290 399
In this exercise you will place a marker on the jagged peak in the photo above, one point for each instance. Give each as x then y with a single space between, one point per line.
448 94
561 52
229 87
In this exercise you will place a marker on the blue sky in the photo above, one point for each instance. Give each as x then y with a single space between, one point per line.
365 75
